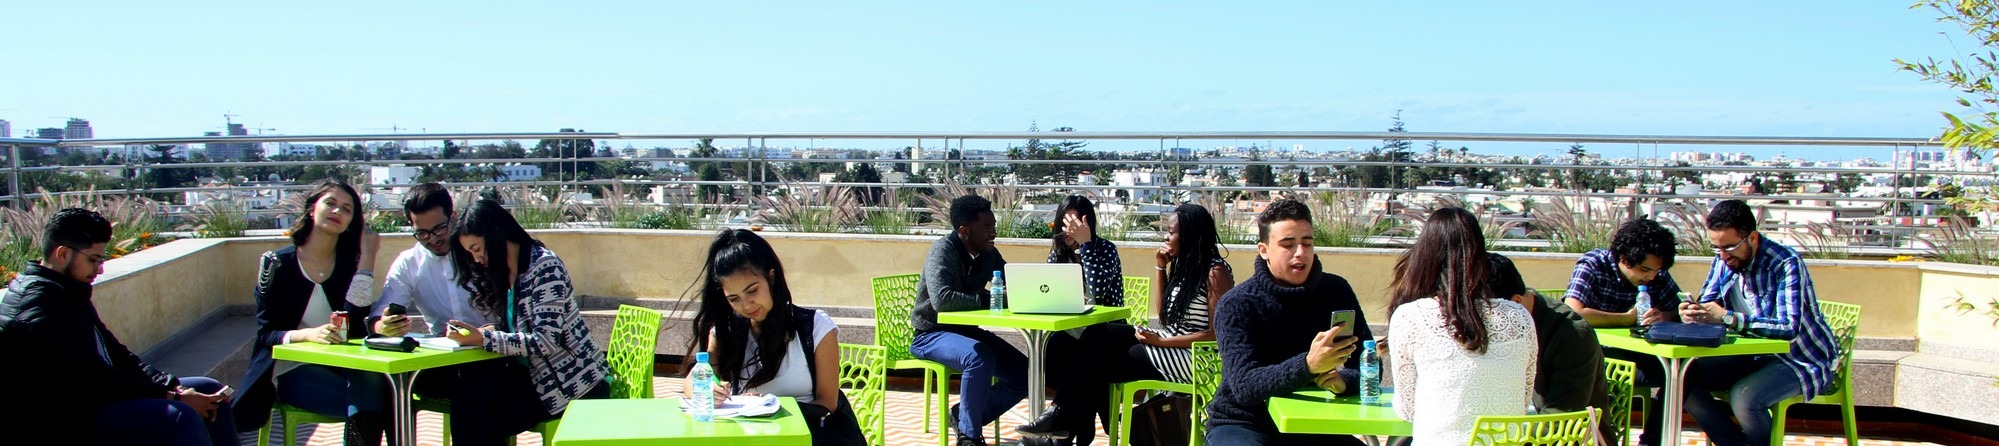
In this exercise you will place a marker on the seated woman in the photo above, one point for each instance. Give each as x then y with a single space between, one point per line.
329 267
523 286
1457 352
762 344
1076 241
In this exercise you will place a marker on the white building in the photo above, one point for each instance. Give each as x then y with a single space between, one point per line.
520 172
1146 179
381 176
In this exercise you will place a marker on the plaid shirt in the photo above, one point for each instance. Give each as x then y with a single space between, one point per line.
1782 306
1599 285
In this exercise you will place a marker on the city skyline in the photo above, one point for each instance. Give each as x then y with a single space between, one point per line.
1681 69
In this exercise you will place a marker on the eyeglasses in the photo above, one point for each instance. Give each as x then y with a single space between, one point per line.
441 230
1719 250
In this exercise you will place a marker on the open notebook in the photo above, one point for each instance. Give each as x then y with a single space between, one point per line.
440 343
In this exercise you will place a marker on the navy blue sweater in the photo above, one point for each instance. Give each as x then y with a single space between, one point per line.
1263 329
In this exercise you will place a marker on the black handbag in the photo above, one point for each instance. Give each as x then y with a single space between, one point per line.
1163 420
1680 333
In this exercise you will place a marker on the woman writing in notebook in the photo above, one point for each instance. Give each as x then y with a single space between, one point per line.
762 344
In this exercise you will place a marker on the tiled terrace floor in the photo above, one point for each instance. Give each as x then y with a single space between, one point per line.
904 406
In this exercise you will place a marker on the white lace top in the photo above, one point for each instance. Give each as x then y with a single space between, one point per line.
1441 388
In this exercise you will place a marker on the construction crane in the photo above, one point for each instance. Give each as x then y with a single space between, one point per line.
392 128
228 119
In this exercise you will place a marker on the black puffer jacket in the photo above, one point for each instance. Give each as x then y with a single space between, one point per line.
61 358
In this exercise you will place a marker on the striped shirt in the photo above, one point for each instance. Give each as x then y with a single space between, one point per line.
1780 305
1176 364
1600 285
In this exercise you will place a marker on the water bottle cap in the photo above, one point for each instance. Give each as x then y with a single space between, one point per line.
996 273
1367 344
1641 288
700 356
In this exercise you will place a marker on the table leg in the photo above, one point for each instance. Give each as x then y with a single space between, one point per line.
1675 396
1037 343
402 387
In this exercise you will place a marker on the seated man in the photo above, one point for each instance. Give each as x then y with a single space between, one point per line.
1569 375
422 278
954 279
70 369
1604 290
1276 336
1756 288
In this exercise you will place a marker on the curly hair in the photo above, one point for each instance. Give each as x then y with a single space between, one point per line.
1643 237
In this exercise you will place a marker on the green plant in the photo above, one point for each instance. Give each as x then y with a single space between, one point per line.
1957 241
669 218
1824 240
1962 305
542 209
1343 219
620 211
1688 223
896 221
384 222
1577 230
828 210
1005 198
220 219
135 223
1978 130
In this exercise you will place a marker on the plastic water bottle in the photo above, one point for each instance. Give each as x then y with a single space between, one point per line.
703 380
1370 373
1644 304
998 288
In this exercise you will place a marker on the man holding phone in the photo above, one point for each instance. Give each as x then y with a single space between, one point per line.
423 276
1276 335
1604 290
71 371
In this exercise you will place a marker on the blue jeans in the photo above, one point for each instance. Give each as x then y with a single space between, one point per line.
1236 434
147 421
1753 383
981 355
334 392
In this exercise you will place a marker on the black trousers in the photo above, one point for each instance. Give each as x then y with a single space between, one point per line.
1082 370
495 400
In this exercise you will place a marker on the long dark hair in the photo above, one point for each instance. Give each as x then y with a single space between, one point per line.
1084 209
496 226
735 251
347 252
1198 249
1449 263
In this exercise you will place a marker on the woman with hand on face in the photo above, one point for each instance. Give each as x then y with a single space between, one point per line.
762 344
1081 392
520 284
328 270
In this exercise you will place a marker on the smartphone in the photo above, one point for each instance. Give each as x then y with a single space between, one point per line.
227 392
1344 320
395 310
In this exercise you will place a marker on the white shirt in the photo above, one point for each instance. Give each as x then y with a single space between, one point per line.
428 280
793 378
316 314
1441 388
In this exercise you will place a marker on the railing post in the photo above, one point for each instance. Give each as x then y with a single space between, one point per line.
14 176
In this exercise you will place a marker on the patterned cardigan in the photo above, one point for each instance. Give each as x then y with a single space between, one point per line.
550 335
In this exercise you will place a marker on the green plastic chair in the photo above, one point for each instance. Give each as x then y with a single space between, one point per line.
1845 321
1622 376
634 336
1207 361
863 373
1555 293
290 417
1138 298
895 298
1561 429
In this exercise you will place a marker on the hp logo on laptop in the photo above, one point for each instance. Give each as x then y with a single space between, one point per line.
1044 288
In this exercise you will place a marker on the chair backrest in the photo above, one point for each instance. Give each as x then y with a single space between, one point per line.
1622 376
863 373
1561 429
1844 319
1138 298
895 299
634 335
1207 361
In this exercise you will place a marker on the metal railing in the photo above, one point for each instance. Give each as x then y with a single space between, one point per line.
1647 173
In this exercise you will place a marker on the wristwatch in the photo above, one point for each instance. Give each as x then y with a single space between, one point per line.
1728 319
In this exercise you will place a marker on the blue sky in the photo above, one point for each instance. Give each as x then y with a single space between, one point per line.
1697 68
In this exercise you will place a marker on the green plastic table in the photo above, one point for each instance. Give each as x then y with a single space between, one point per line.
660 422
1036 327
1316 411
402 369
1676 359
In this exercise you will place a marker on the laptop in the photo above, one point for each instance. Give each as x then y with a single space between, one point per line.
1046 288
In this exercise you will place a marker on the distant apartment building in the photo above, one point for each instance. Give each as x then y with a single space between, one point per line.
6 129
1142 185
220 151
49 133
78 129
520 172
382 176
